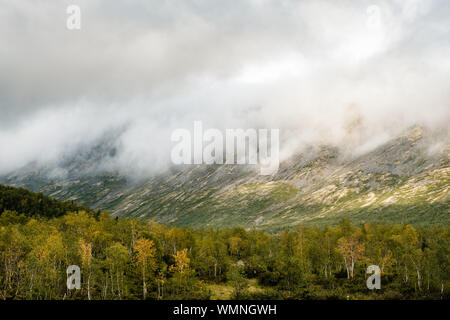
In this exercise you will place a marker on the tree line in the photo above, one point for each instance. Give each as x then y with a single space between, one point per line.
31 203
128 258
134 259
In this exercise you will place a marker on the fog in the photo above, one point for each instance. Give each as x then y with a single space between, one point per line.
347 73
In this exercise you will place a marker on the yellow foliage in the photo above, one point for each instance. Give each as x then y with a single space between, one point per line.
85 252
181 261
145 254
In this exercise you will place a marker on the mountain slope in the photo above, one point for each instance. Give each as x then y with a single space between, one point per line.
34 204
401 181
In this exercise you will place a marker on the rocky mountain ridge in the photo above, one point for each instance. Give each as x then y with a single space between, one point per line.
405 180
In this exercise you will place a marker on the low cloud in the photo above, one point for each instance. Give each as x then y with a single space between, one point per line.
321 71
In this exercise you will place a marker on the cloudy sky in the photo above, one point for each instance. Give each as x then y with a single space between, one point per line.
322 71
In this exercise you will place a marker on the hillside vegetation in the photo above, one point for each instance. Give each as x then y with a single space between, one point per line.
405 180
128 258
30 203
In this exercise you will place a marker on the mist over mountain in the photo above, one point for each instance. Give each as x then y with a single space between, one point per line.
250 150
360 92
348 74
404 180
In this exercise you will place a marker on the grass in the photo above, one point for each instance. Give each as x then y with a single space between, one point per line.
224 291
221 291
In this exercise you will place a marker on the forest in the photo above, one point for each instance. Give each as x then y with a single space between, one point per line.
129 258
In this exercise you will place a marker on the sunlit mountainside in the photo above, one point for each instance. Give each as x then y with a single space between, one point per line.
405 180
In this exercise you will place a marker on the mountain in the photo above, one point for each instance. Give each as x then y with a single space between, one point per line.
35 204
405 180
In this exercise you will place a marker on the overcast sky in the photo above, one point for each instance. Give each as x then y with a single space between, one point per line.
314 69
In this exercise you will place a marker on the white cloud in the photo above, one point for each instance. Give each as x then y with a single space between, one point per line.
152 66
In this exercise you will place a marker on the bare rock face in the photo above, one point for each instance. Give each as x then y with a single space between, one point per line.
405 180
